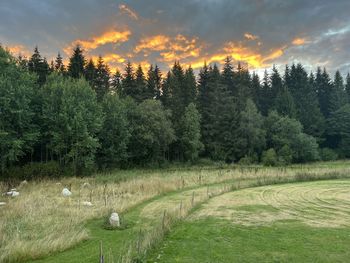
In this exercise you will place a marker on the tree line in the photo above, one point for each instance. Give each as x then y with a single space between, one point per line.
82 116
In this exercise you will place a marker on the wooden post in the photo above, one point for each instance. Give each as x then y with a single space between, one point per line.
181 208
163 222
192 201
102 260
139 243
208 191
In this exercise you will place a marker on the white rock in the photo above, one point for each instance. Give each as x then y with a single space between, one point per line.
13 193
114 219
2 203
86 185
87 203
66 192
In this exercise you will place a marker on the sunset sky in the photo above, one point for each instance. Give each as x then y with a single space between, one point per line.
259 33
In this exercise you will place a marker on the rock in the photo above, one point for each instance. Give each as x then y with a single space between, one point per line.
66 192
2 203
114 220
23 183
13 193
86 185
87 203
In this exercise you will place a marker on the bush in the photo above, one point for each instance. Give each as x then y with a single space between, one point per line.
269 158
36 171
285 155
328 154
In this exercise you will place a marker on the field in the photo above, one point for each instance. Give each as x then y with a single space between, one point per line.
195 214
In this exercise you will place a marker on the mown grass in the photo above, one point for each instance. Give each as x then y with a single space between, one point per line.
297 222
217 240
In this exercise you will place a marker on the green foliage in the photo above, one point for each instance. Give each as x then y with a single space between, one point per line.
37 170
115 133
251 139
190 133
338 130
285 155
269 158
73 119
284 131
152 133
328 154
76 66
17 130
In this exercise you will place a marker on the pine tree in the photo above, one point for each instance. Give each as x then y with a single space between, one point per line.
59 65
190 87
227 77
347 87
324 90
102 79
337 96
76 63
90 72
116 83
256 90
128 83
306 102
140 90
38 65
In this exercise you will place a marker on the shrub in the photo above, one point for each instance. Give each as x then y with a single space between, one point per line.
36 170
328 154
285 155
269 157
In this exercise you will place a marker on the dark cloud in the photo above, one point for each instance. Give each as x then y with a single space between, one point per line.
210 29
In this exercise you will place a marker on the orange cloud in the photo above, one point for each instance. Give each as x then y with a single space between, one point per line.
127 10
172 48
298 41
154 43
19 50
112 36
238 52
250 36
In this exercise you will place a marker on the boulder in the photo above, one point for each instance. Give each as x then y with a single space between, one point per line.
87 203
66 192
13 193
114 220
86 185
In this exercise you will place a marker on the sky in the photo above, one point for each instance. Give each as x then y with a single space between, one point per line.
258 33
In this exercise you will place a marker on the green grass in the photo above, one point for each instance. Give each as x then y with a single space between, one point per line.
217 240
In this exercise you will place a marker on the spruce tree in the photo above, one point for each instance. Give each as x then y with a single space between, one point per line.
102 79
128 82
39 66
338 95
116 83
140 90
90 72
76 63
59 65
347 87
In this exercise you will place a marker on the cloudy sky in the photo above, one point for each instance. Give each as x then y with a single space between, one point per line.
259 33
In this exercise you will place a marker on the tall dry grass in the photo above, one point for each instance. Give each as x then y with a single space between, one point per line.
41 221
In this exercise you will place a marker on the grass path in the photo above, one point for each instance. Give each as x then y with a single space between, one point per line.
117 242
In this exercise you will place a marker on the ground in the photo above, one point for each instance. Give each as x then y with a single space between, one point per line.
193 214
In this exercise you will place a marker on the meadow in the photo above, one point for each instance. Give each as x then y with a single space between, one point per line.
228 205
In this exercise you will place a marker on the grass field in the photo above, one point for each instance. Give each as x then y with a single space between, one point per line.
42 226
299 222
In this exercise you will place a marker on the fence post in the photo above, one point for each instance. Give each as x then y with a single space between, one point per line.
192 201
163 222
181 208
102 260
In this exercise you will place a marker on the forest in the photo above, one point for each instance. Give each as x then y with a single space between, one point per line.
81 117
